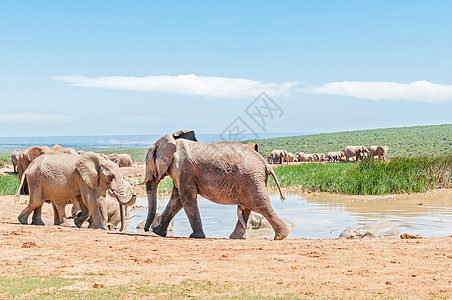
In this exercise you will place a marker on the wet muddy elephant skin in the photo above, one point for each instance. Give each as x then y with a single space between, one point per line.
225 173
377 230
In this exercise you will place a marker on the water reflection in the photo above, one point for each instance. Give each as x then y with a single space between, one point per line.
322 215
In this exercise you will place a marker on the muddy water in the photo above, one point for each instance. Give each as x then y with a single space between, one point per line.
323 215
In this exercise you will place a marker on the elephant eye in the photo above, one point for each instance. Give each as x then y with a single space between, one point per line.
111 177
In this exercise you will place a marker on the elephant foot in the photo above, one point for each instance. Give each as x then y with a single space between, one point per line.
22 220
78 222
37 222
198 235
159 231
282 234
237 236
99 227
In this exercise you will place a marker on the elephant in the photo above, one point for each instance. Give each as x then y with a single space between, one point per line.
14 158
122 159
25 159
115 210
379 229
378 151
278 156
336 156
58 148
318 157
225 172
254 146
61 177
301 156
359 152
290 157
269 158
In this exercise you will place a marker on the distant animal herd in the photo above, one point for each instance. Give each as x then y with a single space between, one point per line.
350 153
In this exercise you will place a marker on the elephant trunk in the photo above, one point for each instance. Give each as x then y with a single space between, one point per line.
121 197
123 218
151 190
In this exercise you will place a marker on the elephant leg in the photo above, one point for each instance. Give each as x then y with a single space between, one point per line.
102 204
36 200
56 214
240 231
84 215
90 200
36 219
173 207
188 199
75 208
280 228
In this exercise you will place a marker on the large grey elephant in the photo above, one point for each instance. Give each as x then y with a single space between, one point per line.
61 177
278 156
359 152
378 151
14 158
225 173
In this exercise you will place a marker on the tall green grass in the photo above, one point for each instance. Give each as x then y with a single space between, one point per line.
9 184
399 175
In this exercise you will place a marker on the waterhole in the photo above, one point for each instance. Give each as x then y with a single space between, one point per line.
324 215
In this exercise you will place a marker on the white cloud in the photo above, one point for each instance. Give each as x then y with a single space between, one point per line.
192 84
24 118
422 91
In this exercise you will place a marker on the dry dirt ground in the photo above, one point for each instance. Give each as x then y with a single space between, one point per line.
300 268
418 268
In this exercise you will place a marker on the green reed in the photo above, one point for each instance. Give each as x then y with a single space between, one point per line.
9 184
399 175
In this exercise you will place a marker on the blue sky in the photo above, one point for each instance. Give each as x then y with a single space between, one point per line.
145 67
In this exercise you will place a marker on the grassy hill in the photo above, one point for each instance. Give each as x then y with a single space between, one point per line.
411 141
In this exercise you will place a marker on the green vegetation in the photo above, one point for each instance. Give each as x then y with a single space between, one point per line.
53 287
137 154
399 175
165 186
9 184
5 159
406 141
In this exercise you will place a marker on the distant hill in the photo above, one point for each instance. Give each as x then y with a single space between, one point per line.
415 140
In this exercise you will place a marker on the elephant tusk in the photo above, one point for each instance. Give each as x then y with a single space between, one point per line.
141 183
115 193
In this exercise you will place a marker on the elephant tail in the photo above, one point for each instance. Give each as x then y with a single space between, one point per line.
17 196
270 171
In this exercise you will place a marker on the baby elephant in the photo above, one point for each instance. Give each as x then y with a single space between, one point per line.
115 211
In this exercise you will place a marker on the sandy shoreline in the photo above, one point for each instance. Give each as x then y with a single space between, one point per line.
337 268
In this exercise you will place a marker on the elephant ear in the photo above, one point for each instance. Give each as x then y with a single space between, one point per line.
185 134
159 157
33 153
88 166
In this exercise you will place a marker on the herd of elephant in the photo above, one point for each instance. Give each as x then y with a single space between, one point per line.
111 210
350 153
226 173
